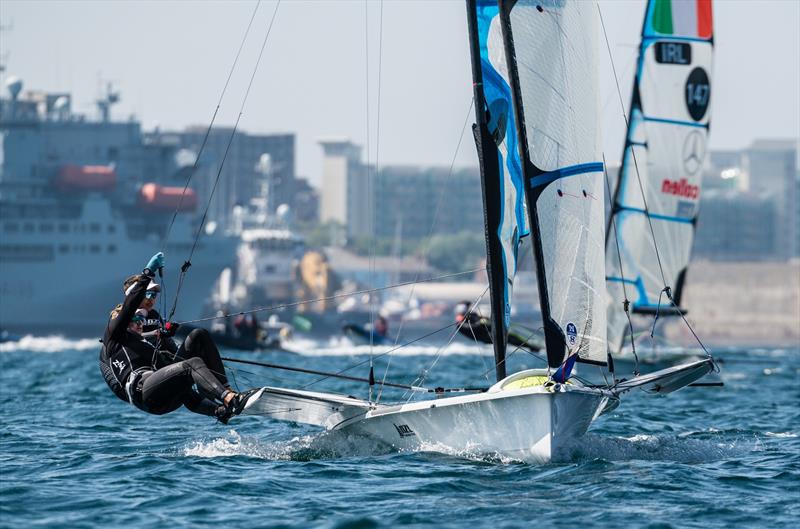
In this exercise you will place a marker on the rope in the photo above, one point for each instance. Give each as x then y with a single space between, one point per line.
633 151
626 303
332 297
423 375
666 288
430 230
188 262
390 351
208 130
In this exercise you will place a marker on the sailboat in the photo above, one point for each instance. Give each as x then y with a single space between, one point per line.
659 181
534 76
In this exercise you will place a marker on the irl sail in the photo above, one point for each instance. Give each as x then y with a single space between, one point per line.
551 54
501 172
665 150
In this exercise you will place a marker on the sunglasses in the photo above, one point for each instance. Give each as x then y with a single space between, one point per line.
150 294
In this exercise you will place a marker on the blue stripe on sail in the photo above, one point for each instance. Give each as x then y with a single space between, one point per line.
572 170
676 122
511 226
638 283
668 218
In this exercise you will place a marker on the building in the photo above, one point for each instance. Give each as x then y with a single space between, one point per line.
737 226
255 165
345 190
82 203
772 168
416 202
406 201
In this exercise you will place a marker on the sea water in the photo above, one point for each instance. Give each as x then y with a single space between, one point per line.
73 455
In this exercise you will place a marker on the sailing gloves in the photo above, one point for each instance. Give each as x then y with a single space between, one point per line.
155 263
170 328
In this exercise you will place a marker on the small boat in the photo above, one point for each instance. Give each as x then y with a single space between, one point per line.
370 334
7 337
535 89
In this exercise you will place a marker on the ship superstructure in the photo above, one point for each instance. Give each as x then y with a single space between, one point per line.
83 204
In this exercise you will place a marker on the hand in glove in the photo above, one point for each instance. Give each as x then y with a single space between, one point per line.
170 328
155 263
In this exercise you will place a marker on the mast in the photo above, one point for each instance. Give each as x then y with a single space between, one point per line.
501 177
657 196
563 177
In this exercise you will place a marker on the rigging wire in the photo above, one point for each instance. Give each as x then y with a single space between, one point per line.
666 290
430 230
422 376
626 303
210 125
388 352
188 262
633 151
332 297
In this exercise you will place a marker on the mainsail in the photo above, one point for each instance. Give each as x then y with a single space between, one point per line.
550 50
665 150
501 173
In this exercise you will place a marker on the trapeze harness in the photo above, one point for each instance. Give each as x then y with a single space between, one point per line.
123 370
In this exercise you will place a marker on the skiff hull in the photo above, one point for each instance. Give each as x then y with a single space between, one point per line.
530 425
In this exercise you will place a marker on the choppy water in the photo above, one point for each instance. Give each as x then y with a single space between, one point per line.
72 455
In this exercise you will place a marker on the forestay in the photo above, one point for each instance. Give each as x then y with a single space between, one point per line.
501 171
667 133
551 50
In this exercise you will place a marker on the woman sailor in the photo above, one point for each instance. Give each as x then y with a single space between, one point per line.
142 375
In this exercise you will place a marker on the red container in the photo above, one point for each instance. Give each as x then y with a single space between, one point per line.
165 198
86 178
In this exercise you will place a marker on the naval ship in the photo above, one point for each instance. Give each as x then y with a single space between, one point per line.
84 203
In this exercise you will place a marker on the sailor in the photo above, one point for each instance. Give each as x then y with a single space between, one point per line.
160 333
153 322
142 375
479 328
381 326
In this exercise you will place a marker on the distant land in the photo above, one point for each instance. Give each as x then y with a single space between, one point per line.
742 304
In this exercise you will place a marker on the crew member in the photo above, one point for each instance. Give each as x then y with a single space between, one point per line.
477 327
138 373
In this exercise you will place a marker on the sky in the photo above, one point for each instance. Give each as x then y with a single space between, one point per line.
331 67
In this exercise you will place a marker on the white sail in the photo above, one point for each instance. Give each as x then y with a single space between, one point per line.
553 50
666 143
501 171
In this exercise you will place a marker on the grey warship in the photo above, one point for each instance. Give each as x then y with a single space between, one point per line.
83 204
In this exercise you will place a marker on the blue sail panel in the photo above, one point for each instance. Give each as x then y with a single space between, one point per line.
504 194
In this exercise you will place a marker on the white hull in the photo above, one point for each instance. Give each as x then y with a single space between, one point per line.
528 424
73 279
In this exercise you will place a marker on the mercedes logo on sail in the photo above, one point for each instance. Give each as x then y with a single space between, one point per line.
694 150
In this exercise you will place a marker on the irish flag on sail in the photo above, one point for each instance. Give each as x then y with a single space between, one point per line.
680 18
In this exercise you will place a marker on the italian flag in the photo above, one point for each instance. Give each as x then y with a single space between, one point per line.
686 18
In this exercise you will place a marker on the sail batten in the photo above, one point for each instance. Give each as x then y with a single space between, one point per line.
550 50
656 202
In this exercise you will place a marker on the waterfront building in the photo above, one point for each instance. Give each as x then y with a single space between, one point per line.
256 165
772 166
737 226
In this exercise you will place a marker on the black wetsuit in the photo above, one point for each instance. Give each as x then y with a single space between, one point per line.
152 323
149 379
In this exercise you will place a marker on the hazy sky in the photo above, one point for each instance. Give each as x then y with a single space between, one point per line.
170 60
